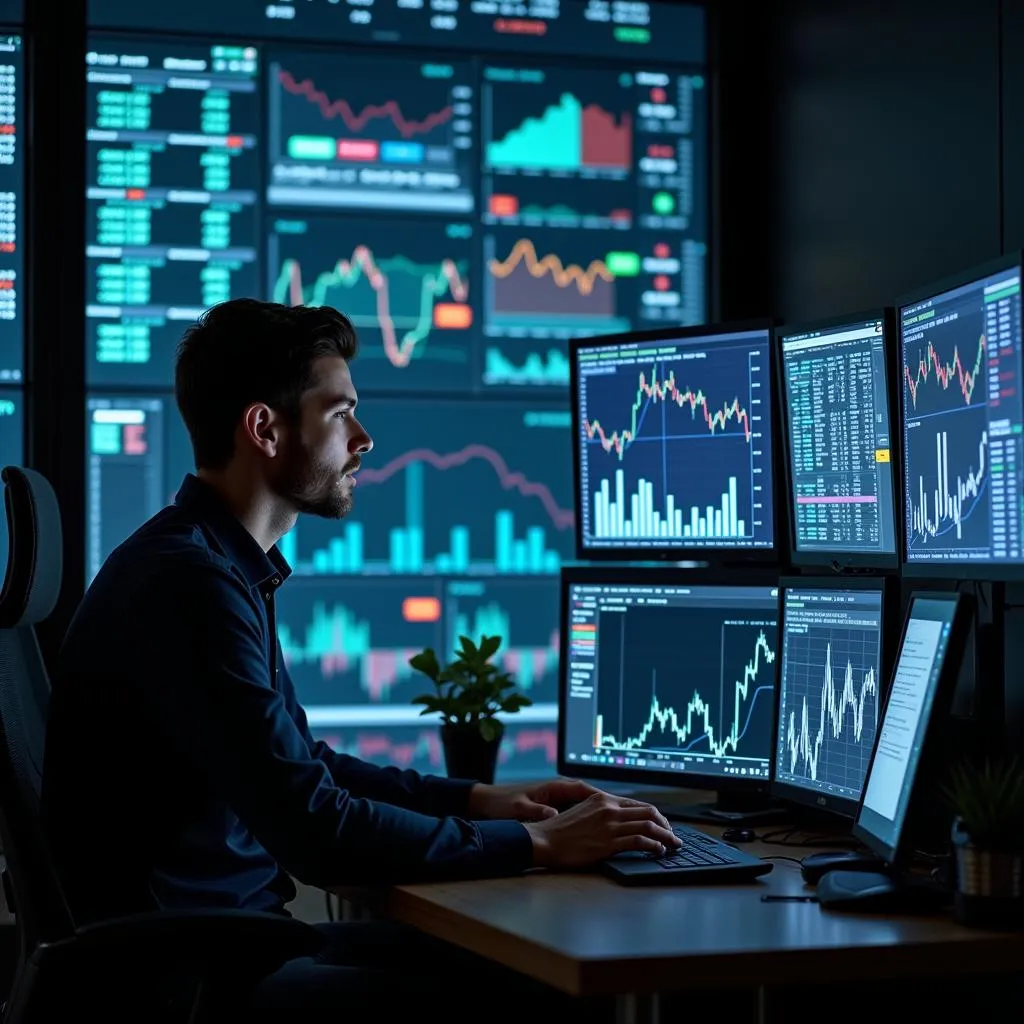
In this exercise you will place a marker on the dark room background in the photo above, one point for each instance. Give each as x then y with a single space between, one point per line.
860 150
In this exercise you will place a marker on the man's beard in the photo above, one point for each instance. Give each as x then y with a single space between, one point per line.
315 488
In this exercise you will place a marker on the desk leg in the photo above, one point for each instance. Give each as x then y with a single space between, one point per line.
634 1009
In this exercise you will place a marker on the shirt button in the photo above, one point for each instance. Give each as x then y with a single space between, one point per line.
276 581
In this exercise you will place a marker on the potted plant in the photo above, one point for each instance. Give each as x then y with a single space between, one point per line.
469 692
988 842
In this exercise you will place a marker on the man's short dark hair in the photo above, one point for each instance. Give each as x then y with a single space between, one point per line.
244 351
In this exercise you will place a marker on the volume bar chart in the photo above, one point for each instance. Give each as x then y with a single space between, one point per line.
614 517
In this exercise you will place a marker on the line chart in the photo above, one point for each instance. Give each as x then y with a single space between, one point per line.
356 122
726 712
667 391
932 367
524 255
830 697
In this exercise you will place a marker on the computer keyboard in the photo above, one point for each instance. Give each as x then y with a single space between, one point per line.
700 858
698 850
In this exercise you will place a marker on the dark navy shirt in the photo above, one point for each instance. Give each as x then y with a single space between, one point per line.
180 770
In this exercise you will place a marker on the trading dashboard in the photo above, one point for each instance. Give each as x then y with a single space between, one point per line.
839 444
671 678
473 183
674 442
963 419
830 688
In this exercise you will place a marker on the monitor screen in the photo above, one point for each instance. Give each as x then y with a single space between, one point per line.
838 443
906 719
473 186
669 679
830 686
963 414
674 443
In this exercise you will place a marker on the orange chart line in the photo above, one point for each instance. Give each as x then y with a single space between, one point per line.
524 252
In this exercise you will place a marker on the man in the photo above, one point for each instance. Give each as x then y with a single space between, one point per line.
180 770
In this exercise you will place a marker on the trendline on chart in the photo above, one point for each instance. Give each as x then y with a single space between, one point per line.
357 122
666 391
437 280
833 705
949 507
525 254
945 372
695 725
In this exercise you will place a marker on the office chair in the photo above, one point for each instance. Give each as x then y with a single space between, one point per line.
190 964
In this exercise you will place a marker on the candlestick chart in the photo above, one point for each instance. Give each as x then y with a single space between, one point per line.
676 452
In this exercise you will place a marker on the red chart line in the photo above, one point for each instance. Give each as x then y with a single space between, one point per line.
509 479
357 122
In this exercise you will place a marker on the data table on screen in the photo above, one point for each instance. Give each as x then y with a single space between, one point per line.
172 166
675 443
839 441
12 203
963 421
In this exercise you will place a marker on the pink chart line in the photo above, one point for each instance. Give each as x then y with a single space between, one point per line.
509 479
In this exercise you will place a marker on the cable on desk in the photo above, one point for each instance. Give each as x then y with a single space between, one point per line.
787 837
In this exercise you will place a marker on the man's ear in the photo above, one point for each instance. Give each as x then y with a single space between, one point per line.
261 428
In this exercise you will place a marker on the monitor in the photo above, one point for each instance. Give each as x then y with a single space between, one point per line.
830 684
667 678
835 410
919 698
963 416
673 444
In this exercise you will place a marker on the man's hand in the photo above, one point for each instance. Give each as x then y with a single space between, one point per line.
527 803
599 827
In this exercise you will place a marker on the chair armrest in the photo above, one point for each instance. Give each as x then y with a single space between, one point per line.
200 937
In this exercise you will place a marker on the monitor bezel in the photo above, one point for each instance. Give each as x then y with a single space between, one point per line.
888 588
932 745
751 576
958 570
843 561
715 556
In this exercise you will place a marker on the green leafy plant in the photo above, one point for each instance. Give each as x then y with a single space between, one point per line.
988 798
470 690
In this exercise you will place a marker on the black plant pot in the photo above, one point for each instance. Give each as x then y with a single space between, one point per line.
467 755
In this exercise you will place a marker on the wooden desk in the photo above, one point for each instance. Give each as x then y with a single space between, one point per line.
588 936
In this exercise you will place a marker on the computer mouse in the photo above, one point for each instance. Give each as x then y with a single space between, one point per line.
814 865
739 835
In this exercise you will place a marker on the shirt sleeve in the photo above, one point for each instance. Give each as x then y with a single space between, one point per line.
216 701
427 794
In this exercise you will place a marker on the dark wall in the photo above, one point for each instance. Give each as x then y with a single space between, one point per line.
887 149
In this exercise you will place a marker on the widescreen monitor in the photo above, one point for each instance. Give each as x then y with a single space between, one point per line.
837 412
473 186
831 683
910 728
667 679
673 444
962 422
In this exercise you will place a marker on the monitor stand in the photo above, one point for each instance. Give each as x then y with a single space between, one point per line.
726 809
874 892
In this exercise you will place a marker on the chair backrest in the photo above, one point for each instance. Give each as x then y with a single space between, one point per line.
28 596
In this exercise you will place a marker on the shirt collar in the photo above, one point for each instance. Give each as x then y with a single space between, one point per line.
259 567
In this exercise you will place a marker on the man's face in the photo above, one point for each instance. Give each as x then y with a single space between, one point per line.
322 450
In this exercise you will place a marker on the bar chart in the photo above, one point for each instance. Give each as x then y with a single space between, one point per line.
615 517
